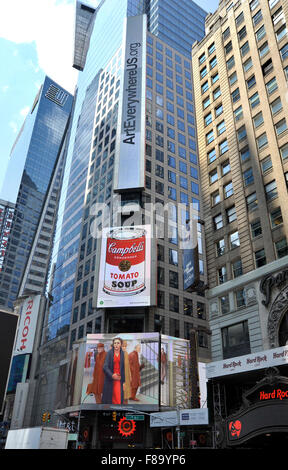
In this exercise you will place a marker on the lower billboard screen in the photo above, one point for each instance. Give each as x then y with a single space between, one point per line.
138 369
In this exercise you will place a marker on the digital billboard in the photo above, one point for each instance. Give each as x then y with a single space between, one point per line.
125 267
130 146
134 369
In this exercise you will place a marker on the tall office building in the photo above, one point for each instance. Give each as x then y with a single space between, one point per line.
169 174
240 72
6 217
33 160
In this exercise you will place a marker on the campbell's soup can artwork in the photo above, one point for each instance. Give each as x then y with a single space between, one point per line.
125 261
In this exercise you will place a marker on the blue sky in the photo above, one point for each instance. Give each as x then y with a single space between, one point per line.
36 39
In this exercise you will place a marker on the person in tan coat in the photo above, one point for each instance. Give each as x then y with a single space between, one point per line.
126 385
96 387
135 369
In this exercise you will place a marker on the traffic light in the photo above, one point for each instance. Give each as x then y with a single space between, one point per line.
114 415
46 417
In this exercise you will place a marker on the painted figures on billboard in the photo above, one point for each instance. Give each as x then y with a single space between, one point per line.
114 370
132 369
135 368
96 387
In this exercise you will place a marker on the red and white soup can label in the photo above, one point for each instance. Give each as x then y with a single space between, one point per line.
125 261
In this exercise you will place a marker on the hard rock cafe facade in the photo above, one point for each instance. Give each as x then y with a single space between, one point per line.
248 393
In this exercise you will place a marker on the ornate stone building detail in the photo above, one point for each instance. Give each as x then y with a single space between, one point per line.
277 311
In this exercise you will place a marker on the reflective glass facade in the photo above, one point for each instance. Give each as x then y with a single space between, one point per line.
177 23
38 146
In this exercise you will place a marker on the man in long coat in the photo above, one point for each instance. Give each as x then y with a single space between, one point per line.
96 387
135 369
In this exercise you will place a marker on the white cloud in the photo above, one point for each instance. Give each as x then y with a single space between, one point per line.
25 111
50 23
5 88
13 126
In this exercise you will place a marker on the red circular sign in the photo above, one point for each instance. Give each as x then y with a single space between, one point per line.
126 427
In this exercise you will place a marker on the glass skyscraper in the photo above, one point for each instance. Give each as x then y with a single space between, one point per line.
32 163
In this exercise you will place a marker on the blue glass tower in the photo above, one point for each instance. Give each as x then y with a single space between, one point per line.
32 163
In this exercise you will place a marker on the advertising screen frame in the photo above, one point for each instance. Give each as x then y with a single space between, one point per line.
140 298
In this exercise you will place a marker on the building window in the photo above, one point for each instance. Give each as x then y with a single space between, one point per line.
221 128
281 32
218 221
160 299
202 339
276 217
254 100
244 154
260 33
258 120
257 18
271 191
237 268
264 49
224 304
242 33
188 307
211 156
262 141
233 78
241 134
281 126
218 110
281 248
223 147
230 63
216 93
244 49
248 177
235 95
228 190
222 275
228 47
252 202
208 119
209 137
215 198
284 151
213 62
240 298
266 164
231 214
276 106
235 340
253 4
271 86
247 64
234 240
220 247
225 167
260 258
256 228
213 176
173 303
173 279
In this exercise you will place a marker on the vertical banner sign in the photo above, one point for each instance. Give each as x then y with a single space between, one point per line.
27 325
190 257
130 148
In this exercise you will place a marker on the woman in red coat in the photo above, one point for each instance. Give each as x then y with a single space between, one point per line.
114 370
